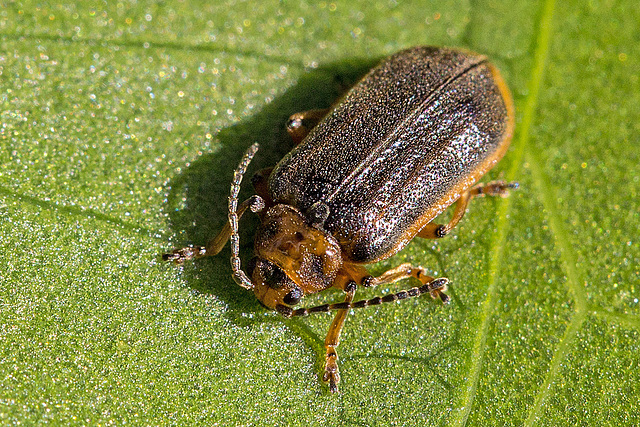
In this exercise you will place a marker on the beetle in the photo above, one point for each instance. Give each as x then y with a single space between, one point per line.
367 176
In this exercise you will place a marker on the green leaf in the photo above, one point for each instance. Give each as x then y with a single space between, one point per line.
121 127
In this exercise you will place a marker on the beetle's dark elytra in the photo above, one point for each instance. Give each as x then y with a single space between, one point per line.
405 142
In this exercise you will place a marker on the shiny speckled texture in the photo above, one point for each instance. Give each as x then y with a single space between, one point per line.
403 145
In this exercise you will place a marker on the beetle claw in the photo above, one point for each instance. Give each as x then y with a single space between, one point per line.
437 287
497 188
444 298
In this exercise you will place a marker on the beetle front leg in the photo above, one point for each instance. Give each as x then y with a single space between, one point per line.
351 275
300 124
215 245
493 188
331 373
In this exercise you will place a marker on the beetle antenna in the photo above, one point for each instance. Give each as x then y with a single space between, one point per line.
436 288
256 204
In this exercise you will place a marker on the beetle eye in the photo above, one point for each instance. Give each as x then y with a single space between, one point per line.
272 275
293 297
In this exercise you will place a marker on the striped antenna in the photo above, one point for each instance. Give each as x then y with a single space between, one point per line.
256 204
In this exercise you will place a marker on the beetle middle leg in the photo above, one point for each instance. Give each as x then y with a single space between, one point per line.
493 188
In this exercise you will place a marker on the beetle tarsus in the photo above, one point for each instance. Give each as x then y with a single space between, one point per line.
436 289
179 256
494 188
285 311
331 373
444 298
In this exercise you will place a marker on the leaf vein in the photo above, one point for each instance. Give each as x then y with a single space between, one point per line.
144 44
540 57
627 319
82 212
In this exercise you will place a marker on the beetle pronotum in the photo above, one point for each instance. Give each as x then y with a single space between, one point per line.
367 176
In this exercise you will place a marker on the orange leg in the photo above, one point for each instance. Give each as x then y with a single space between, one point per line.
331 373
215 245
493 188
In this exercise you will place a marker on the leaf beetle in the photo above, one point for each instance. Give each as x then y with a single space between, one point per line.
367 176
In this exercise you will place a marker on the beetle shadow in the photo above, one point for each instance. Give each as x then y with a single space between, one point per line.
197 199
426 360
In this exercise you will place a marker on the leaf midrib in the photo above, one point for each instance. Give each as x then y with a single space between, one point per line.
541 53
547 195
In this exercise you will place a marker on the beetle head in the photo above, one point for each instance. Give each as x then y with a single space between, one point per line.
293 258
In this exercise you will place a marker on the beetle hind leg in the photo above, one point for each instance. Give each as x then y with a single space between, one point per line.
300 124
493 188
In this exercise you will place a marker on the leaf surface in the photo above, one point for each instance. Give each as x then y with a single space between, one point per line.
121 127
